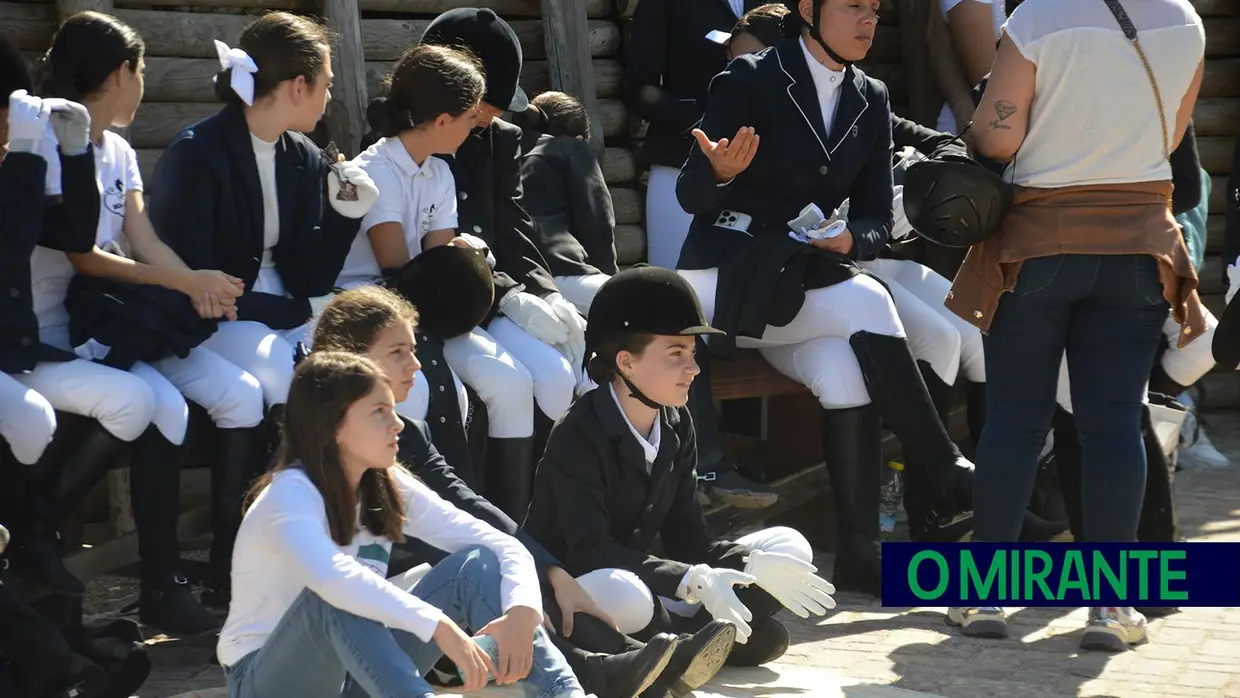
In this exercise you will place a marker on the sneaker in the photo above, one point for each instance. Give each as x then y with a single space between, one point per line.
1196 450
981 621
1113 629
730 487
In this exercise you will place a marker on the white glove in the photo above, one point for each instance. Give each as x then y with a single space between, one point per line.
792 582
1233 280
28 117
357 198
900 227
71 124
574 348
712 587
533 315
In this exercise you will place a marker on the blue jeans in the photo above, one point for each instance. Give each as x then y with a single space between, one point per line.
1107 313
320 651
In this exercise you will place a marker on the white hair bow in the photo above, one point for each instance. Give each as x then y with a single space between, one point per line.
241 67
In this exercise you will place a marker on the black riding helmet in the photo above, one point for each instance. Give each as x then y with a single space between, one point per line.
646 300
452 288
482 33
955 202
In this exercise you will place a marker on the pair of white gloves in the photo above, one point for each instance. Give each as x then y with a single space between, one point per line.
553 320
30 115
791 581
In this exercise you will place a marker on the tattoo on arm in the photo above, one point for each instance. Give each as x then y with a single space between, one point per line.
1003 110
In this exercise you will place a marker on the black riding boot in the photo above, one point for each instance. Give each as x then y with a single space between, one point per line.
64 487
510 475
607 663
241 456
852 449
938 493
718 477
166 601
939 392
695 661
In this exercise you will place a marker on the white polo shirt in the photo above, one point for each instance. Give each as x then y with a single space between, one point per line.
116 171
419 198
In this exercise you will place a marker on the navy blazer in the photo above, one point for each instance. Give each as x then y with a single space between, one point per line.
28 219
207 206
487 170
796 163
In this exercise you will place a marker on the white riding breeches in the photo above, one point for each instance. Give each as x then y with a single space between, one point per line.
623 596
667 224
417 404
27 420
1185 365
936 335
580 290
260 351
512 372
232 397
814 349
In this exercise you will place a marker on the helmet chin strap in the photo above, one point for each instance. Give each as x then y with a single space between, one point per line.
639 395
814 31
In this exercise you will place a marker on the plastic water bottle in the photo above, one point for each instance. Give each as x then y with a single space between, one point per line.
892 493
488 645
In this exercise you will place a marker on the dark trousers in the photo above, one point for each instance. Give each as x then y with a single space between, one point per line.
1106 312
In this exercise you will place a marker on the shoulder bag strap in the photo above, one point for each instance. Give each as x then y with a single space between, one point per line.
1130 31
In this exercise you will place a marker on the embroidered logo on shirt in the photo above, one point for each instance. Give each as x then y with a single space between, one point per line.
114 198
375 557
428 213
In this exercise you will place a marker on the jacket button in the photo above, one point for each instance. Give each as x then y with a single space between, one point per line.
464 195
26 341
649 507
637 532
978 314
15 292
477 229
442 420
434 362
822 170
441 388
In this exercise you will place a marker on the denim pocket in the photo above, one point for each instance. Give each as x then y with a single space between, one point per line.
1146 279
1037 275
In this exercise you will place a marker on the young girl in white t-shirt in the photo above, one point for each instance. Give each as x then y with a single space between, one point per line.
431 107
98 60
312 609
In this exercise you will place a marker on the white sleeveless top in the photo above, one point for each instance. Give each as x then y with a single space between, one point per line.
1094 119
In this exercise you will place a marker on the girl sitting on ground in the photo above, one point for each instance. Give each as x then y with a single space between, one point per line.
311 607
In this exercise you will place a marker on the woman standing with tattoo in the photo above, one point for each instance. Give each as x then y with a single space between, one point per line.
1091 257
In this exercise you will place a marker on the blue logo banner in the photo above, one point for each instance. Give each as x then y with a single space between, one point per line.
1061 574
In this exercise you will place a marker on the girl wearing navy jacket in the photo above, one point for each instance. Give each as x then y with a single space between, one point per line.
243 191
119 404
826 136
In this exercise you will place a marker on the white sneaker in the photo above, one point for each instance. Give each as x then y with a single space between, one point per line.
981 621
1201 453
1113 629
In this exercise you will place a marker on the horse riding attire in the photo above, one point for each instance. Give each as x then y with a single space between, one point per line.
574 225
826 136
258 211
604 491
526 383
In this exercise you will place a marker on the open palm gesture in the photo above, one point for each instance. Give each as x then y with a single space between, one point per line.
728 158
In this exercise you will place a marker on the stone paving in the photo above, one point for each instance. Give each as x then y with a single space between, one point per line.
866 651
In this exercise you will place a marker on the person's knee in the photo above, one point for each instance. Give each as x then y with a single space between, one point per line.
788 541
832 373
972 355
477 562
30 428
554 386
241 405
505 386
274 370
870 307
623 596
127 406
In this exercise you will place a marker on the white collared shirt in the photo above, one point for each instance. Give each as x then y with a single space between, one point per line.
421 198
827 83
650 445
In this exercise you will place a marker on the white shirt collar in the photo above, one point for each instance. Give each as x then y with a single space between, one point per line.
824 77
649 447
398 154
